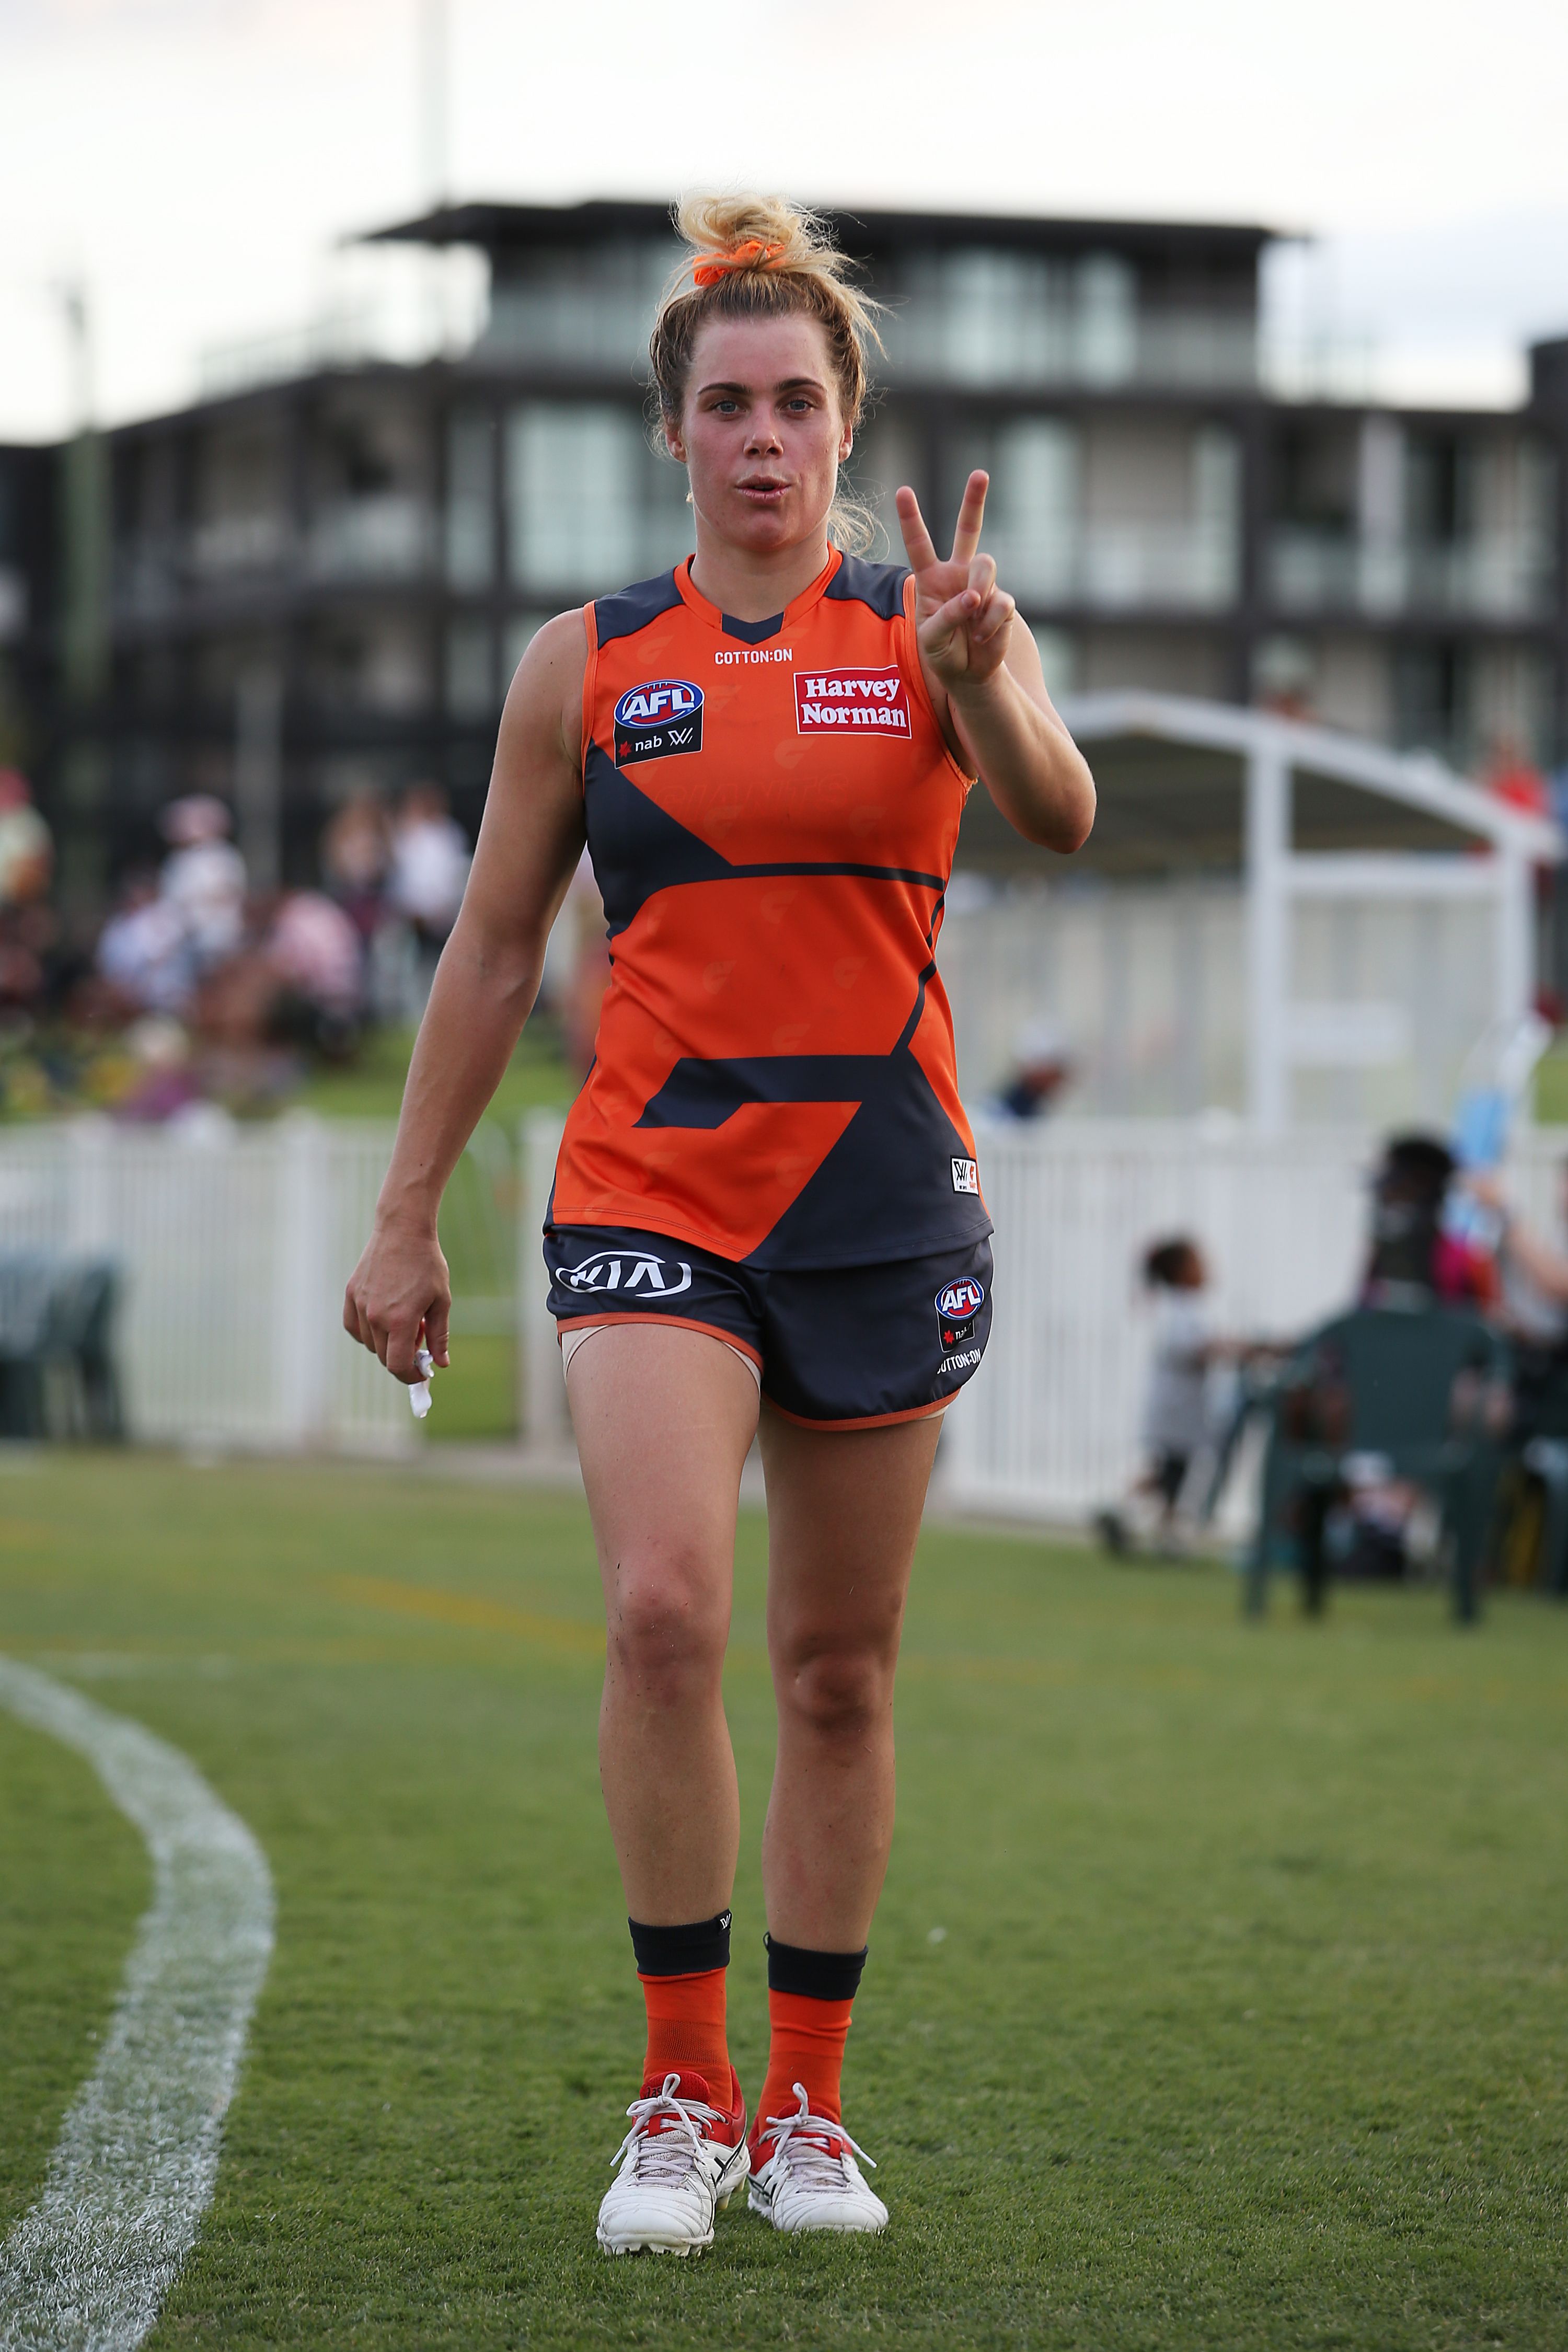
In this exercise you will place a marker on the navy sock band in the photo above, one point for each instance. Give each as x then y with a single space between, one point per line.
820 1975
681 1951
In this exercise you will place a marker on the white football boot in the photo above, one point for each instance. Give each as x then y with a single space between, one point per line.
804 2175
681 2162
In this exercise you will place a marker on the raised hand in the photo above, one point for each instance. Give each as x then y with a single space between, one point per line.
963 620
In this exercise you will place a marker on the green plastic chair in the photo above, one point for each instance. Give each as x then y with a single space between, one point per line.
1421 1387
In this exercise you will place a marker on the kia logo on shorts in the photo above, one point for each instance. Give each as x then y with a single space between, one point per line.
656 719
627 1271
957 1305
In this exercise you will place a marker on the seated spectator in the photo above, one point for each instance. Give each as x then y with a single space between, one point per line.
314 946
430 861
1414 1259
356 857
144 953
204 880
1533 1276
26 844
1043 1066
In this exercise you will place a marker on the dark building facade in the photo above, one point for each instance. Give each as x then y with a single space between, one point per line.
321 583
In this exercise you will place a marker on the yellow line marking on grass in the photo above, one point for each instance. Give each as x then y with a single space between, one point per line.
472 1610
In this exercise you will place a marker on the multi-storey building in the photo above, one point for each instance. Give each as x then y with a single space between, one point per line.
321 582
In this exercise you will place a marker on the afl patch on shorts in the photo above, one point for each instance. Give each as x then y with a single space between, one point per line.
840 1348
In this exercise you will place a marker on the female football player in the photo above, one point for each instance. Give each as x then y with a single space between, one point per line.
767 1216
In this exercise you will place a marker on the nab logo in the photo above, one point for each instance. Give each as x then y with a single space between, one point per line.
957 1305
627 1271
656 719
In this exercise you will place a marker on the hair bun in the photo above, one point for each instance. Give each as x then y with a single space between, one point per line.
746 233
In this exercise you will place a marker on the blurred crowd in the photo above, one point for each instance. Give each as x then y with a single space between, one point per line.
199 987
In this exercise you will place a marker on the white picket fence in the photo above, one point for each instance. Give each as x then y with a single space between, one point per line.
1049 1422
1047 1428
235 1244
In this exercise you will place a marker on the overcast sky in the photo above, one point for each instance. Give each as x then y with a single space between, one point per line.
196 162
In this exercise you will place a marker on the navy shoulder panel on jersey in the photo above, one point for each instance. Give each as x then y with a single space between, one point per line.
631 609
880 586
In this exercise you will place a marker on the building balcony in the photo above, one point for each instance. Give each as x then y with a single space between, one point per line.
1500 577
1124 567
389 536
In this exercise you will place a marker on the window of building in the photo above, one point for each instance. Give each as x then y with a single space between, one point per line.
470 668
590 505
572 308
470 498
1105 319
988 316
1032 510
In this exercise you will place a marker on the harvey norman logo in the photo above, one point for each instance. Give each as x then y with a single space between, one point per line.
855 701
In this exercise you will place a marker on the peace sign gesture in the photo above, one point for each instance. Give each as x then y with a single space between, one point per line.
963 620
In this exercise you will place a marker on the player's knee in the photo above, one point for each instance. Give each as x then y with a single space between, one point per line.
665 1630
841 1693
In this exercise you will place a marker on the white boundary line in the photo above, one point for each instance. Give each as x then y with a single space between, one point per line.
132 2171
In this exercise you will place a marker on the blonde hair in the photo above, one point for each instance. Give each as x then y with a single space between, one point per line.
763 257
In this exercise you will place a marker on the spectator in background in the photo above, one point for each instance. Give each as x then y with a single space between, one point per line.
317 958
26 844
1176 1420
1413 1258
430 860
1533 1274
1512 775
204 879
1043 1067
143 954
356 858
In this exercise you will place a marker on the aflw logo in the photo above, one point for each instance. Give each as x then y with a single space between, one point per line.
873 701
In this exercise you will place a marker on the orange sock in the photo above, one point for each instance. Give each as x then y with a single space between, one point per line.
806 2045
685 2031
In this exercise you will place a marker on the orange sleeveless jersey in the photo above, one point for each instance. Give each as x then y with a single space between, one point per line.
772 814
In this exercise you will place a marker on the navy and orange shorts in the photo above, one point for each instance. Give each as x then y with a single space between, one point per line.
853 1347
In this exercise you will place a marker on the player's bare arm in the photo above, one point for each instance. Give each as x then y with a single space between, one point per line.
984 671
528 845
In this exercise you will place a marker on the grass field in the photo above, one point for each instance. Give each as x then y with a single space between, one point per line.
1217 1998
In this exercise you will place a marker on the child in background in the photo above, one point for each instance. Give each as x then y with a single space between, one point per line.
1175 1401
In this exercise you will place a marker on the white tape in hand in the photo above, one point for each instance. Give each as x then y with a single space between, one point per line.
419 1390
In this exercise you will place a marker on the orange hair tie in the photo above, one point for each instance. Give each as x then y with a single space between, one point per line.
717 265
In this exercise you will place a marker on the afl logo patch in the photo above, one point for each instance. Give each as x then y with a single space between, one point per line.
957 1305
654 721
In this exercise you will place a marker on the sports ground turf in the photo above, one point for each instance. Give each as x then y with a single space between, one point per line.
1217 1998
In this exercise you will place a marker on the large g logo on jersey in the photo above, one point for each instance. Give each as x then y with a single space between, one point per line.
657 719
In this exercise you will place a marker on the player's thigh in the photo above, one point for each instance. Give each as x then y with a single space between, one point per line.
844 1515
664 1418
